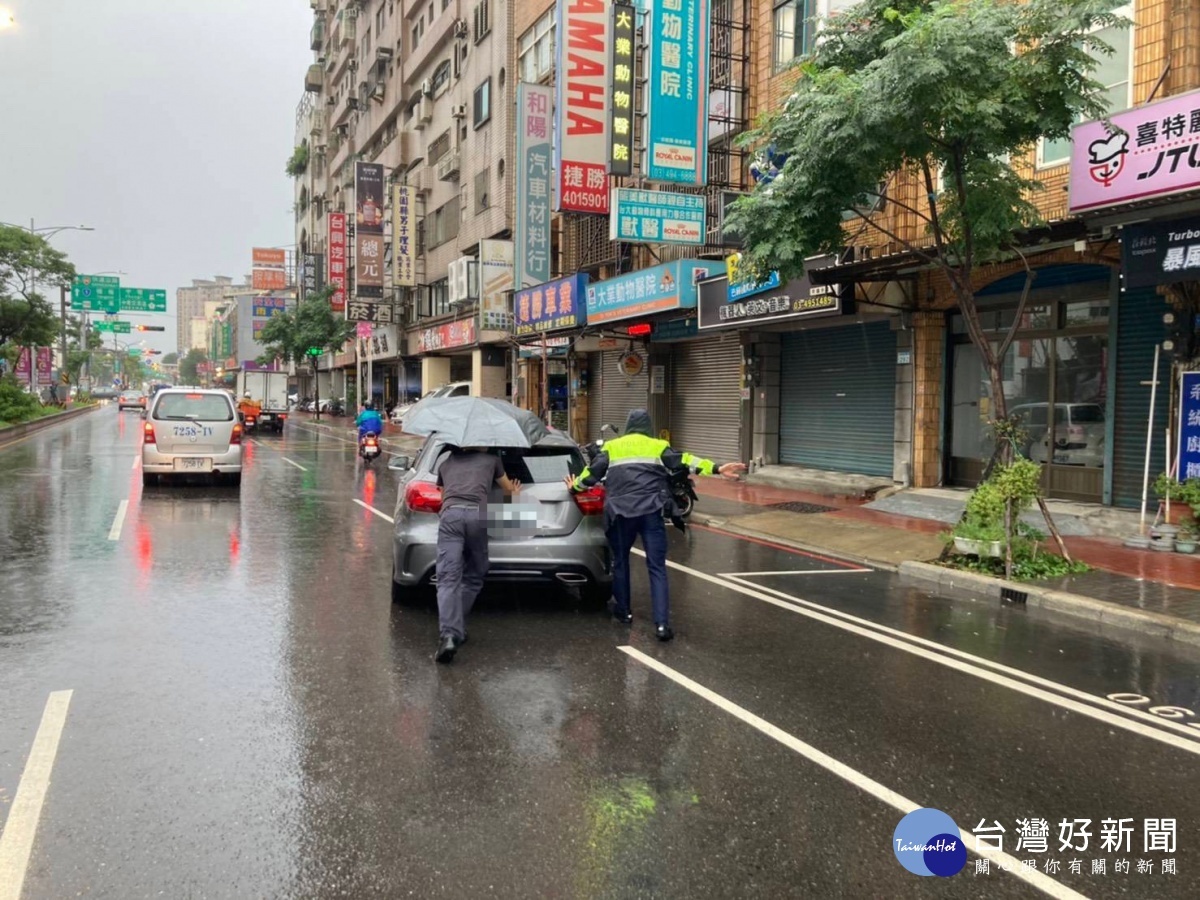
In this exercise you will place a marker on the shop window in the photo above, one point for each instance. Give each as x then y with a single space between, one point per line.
1115 73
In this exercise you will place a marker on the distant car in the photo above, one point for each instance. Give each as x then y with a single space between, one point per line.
549 535
131 400
192 432
1078 437
453 389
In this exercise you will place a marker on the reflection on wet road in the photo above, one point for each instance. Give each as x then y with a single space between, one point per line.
251 716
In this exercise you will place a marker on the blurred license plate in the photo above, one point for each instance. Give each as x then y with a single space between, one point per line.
1062 459
193 464
513 519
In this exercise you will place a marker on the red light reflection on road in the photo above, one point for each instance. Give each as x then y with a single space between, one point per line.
369 488
235 546
145 547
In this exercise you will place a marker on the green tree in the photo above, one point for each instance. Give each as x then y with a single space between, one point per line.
82 341
945 91
187 366
311 326
28 263
170 359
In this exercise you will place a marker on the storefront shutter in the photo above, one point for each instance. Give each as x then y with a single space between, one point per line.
706 398
612 395
1139 328
837 398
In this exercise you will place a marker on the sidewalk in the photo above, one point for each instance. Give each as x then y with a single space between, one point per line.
1152 591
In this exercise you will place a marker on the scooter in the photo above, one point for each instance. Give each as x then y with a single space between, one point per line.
368 447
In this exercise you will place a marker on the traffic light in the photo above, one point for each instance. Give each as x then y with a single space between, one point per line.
313 351
151 328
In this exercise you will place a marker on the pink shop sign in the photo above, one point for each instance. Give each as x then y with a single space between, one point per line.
1155 153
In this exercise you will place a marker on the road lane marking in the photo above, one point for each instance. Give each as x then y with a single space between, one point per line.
114 533
1023 682
16 840
795 572
865 783
794 551
377 512
296 464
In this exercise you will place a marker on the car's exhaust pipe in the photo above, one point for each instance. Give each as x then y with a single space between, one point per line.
571 578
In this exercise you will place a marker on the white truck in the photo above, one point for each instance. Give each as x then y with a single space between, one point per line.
270 391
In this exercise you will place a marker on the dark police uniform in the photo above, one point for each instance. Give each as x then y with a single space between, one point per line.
634 468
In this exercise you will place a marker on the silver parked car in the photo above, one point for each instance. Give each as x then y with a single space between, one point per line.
192 432
453 389
546 535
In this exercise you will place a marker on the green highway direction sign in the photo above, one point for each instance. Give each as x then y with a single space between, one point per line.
114 327
135 351
93 293
142 300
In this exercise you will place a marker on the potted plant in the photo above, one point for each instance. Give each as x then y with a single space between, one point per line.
981 529
1185 541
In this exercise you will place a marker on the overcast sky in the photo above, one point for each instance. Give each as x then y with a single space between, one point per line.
163 124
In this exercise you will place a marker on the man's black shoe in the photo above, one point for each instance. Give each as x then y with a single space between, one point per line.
623 617
445 650
664 632
458 642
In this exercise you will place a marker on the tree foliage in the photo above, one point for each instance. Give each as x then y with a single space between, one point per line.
170 359
187 366
312 324
943 91
27 264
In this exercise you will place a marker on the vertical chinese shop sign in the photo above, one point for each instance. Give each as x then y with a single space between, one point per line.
403 212
581 151
620 124
337 261
368 230
532 251
677 99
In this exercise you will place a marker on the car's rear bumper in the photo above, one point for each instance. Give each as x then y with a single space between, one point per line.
549 561
159 463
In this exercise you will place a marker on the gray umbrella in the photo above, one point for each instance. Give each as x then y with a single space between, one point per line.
476 422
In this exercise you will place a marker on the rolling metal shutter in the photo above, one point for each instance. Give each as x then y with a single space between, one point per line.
838 397
706 398
612 395
1139 328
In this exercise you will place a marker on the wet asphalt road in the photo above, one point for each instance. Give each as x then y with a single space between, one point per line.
252 717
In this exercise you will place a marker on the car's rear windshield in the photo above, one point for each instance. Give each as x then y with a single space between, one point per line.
539 465
206 407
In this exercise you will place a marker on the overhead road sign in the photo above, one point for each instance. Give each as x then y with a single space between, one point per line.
114 327
94 293
142 300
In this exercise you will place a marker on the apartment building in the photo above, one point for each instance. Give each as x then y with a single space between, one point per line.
421 89
190 306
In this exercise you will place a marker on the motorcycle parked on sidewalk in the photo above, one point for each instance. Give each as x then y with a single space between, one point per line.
368 447
679 480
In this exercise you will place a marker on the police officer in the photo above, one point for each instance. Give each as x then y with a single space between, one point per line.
634 468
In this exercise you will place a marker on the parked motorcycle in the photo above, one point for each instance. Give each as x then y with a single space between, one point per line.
679 480
368 447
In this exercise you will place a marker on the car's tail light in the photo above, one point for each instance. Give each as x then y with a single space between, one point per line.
591 501
236 437
282 417
148 434
423 496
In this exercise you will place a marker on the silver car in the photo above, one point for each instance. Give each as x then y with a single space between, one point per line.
192 432
547 534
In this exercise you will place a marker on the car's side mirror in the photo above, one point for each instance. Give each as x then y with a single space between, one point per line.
400 463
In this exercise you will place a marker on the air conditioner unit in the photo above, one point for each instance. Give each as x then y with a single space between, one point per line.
460 28
314 78
447 166
317 123
427 88
459 111
461 287
377 91
351 103
423 114
383 54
